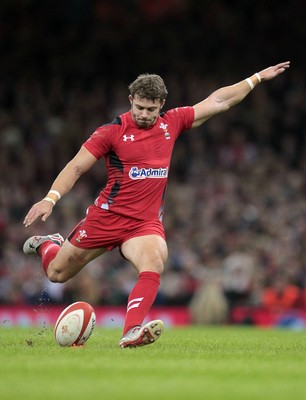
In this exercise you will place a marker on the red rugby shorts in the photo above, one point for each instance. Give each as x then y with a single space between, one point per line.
104 229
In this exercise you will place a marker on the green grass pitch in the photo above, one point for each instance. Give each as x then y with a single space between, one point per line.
186 363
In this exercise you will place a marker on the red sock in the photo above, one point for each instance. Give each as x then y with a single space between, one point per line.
141 299
48 250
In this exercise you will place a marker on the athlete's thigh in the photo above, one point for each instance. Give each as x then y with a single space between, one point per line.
71 259
146 253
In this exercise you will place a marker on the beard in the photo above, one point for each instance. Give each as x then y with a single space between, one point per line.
144 123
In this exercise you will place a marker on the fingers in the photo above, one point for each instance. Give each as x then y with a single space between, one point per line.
38 210
30 218
45 216
273 71
282 66
28 221
285 64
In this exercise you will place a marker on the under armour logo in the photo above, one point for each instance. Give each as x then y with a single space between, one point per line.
126 138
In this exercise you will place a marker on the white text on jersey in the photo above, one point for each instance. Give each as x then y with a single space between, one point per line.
143 173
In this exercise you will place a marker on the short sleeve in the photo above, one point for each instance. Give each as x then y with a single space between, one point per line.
182 117
99 142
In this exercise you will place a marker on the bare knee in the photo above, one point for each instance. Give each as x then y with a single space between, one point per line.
160 269
146 253
154 263
159 266
58 273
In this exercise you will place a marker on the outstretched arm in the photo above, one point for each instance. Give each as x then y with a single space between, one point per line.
226 97
64 182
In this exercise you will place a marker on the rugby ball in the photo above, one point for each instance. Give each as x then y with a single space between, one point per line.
75 324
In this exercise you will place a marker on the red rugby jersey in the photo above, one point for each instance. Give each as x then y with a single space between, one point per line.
137 162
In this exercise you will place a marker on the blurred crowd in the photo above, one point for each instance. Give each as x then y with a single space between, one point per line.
235 214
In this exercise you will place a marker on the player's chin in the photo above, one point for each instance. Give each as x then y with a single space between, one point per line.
144 124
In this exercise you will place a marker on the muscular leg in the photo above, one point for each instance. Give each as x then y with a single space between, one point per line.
148 255
69 260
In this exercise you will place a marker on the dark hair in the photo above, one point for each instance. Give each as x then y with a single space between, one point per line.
149 86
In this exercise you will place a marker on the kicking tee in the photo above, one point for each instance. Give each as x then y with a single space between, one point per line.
137 162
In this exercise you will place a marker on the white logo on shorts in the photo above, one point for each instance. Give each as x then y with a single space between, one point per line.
82 234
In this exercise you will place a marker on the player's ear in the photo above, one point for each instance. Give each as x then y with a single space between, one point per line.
131 99
162 103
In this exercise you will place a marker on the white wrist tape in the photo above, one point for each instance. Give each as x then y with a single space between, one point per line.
50 200
251 84
56 193
258 77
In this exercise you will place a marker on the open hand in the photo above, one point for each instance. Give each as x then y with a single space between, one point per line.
272 72
41 209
